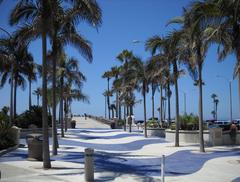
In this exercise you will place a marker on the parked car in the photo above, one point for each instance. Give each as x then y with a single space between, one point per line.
225 125
138 121
156 119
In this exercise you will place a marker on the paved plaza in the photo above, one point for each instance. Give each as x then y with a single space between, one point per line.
123 156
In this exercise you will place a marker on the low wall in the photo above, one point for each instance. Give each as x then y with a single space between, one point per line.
25 132
102 120
210 138
156 132
186 136
226 139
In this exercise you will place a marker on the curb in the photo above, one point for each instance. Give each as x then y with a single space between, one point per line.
10 149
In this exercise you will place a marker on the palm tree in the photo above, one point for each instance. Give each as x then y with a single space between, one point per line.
220 20
38 93
115 72
38 15
45 14
31 76
126 87
216 105
64 32
214 96
138 69
163 75
196 46
9 57
168 53
108 75
68 72
19 60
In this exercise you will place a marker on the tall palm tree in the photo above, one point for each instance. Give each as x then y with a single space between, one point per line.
68 72
64 32
163 75
115 72
8 56
19 60
127 88
31 76
220 19
168 52
108 76
214 96
38 93
138 72
196 46
37 14
44 14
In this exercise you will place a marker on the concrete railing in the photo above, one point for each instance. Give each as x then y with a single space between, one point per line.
211 137
101 119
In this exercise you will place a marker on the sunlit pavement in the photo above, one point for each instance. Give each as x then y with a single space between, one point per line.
123 156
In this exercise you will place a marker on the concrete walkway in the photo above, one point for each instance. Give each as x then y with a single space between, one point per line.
89 123
121 156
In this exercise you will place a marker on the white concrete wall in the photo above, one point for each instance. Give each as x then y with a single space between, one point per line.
156 132
209 138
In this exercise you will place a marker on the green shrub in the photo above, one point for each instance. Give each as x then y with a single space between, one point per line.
120 122
32 116
4 114
188 122
153 124
6 140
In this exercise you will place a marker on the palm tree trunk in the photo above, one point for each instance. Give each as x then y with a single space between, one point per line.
38 99
15 99
65 115
117 105
46 155
201 140
161 104
145 114
152 101
119 108
61 106
105 106
11 96
108 100
216 111
169 103
175 70
54 127
30 94
124 117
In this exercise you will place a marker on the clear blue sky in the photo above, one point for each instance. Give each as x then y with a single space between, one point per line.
124 21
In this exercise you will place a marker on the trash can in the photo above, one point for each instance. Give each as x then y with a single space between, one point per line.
112 125
73 124
35 148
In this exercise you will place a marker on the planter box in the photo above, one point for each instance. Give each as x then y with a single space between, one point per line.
156 132
186 136
15 133
214 137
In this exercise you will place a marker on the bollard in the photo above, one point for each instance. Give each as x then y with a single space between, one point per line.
89 164
162 168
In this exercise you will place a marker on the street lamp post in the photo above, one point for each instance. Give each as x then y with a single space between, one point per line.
230 95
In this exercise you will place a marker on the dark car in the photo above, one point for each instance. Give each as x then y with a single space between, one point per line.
138 121
153 119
